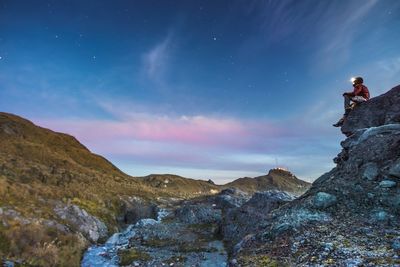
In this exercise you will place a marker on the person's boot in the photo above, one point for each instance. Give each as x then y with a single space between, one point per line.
339 123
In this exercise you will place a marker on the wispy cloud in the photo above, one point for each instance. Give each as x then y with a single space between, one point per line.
156 60
330 27
340 30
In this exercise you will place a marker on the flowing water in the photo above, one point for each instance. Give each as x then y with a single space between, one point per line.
106 255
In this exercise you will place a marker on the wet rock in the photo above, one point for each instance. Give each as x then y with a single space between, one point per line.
324 200
90 226
371 171
387 184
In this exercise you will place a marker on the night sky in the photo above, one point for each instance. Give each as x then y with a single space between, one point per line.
204 89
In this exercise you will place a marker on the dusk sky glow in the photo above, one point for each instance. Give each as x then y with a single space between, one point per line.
204 89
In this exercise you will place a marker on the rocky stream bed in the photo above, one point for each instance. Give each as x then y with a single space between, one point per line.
199 232
165 241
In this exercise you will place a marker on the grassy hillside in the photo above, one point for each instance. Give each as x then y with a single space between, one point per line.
181 186
40 169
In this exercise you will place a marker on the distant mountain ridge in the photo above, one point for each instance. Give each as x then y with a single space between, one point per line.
185 187
278 179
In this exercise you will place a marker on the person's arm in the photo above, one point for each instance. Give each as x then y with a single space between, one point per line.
351 94
357 90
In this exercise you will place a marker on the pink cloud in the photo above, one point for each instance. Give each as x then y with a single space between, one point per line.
196 130
200 142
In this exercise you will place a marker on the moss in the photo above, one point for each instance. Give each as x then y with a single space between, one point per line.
126 257
157 243
261 261
329 261
4 244
346 243
201 226
168 220
106 215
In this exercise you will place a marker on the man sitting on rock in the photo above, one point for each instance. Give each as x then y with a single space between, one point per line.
360 94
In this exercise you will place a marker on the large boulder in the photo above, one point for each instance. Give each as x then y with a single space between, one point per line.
251 216
229 198
90 226
134 209
198 214
380 110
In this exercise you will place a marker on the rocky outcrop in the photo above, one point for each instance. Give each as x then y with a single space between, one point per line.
236 222
91 227
134 209
198 214
380 110
351 215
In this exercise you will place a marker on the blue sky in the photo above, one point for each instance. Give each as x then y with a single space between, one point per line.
205 89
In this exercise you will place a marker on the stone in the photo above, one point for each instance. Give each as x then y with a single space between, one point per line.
370 172
198 214
396 244
281 228
324 200
90 226
392 201
210 182
380 216
387 184
395 169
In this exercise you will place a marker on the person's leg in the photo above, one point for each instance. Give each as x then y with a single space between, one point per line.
347 100
358 99
347 109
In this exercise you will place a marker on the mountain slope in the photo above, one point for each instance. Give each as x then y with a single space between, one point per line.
278 179
351 215
55 192
181 186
